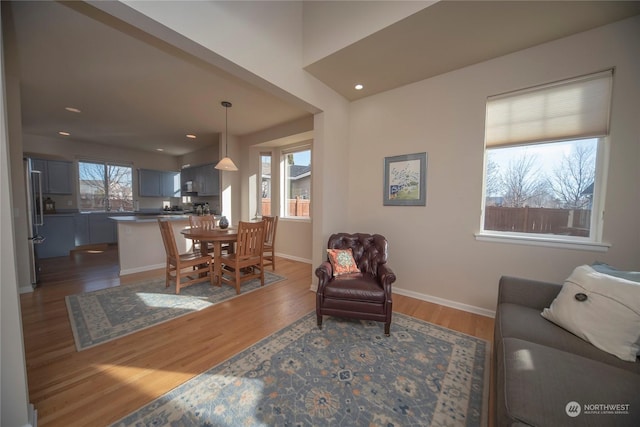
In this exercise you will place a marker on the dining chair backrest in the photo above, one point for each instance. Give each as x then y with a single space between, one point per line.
250 239
206 222
270 225
168 239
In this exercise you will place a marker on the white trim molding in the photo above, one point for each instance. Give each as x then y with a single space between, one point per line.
542 241
445 302
141 269
294 258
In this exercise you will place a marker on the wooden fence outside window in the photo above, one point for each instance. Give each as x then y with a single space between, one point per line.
571 222
295 207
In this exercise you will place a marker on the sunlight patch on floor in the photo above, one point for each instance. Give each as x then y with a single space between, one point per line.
189 302
244 394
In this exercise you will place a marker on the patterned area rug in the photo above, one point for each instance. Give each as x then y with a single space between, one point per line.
101 316
347 374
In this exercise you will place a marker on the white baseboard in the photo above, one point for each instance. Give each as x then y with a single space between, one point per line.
445 302
141 269
294 258
25 289
32 416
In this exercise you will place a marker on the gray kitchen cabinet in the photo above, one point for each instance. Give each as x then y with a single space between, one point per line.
170 184
82 229
186 175
149 183
59 234
154 183
57 175
102 229
60 177
205 179
210 181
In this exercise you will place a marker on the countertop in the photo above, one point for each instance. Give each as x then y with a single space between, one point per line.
148 218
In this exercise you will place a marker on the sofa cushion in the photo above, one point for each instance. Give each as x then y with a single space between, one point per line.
361 287
517 321
601 267
601 309
539 382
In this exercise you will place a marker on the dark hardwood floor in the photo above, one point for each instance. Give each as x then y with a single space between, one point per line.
99 385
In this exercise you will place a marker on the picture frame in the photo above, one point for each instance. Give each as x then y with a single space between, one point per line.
405 180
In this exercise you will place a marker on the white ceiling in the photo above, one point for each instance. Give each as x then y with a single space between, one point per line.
134 93
452 34
137 92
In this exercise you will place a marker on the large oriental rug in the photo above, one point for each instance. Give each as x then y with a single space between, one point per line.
347 374
104 315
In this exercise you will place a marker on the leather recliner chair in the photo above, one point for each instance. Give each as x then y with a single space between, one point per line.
365 295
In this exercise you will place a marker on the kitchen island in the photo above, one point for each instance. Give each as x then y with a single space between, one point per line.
140 246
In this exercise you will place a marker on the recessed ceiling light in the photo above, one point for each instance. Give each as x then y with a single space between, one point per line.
63 133
359 86
72 109
159 149
191 136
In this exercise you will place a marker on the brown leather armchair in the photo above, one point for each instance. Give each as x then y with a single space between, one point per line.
365 295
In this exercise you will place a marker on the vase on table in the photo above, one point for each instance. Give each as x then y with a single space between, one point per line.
224 222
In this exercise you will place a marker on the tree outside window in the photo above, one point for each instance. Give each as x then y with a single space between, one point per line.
543 188
542 172
105 187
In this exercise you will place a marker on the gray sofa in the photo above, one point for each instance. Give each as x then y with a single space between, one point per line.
541 369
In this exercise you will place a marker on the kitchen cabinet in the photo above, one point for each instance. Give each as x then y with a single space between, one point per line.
154 183
205 179
57 175
170 184
58 231
101 228
208 181
82 229
63 232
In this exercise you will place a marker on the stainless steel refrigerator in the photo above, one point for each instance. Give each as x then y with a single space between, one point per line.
35 216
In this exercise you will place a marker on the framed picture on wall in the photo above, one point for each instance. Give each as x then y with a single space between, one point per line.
405 180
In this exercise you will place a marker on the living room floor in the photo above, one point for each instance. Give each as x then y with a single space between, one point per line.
100 385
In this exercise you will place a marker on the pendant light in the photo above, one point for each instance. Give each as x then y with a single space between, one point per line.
226 164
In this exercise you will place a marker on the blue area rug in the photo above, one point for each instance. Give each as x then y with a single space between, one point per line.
101 316
347 374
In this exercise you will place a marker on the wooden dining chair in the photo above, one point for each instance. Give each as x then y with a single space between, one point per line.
200 265
268 250
207 222
241 265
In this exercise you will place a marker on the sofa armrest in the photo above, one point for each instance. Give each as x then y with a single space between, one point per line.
527 292
386 275
324 273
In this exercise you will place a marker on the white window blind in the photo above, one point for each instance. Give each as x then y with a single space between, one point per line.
575 108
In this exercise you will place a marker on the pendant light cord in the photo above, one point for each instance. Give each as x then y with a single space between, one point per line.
226 105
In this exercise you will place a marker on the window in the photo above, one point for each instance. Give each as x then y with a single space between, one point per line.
544 160
265 183
297 183
105 187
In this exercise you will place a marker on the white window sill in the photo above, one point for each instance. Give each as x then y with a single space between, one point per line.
549 242
295 219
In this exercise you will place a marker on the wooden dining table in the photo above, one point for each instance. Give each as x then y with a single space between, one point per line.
217 236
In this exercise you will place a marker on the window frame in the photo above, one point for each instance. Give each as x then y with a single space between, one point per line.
594 241
105 164
259 188
284 181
